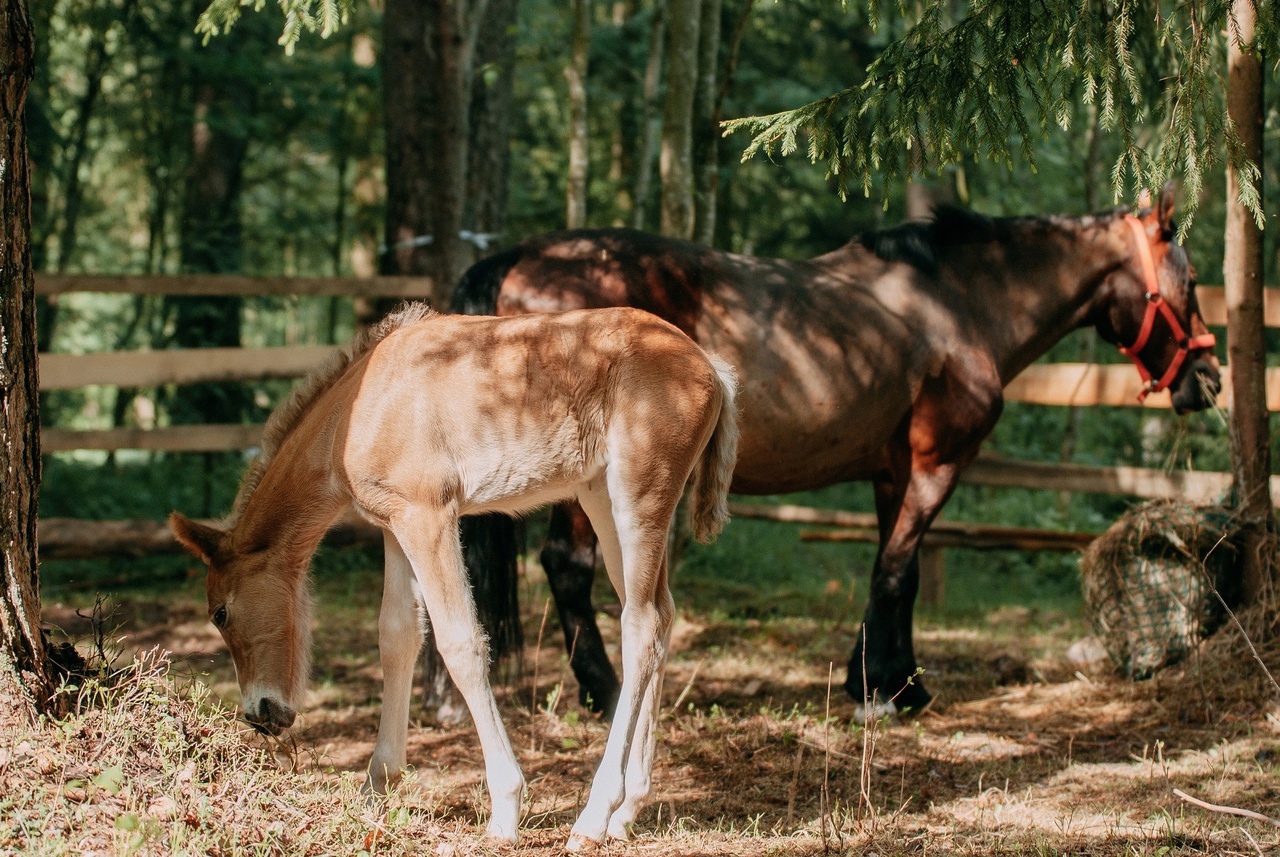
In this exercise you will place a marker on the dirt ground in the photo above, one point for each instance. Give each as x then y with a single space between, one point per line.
1022 752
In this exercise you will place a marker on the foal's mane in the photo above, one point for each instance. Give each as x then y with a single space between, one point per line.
285 418
917 242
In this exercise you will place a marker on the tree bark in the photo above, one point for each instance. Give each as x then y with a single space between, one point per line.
706 125
489 151
651 119
427 75
576 73
211 232
1246 343
676 165
21 640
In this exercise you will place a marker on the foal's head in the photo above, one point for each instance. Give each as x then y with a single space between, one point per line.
261 607
1149 311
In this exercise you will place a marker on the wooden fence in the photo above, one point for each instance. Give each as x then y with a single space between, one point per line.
1073 384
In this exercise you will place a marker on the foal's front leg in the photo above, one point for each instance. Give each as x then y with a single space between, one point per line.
399 639
430 541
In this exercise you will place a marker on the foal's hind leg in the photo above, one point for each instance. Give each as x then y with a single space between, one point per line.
638 780
636 558
430 540
399 639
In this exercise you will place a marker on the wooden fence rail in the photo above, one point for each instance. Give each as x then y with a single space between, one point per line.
1077 384
1212 301
230 285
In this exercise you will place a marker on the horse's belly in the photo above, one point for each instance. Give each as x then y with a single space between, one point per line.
782 450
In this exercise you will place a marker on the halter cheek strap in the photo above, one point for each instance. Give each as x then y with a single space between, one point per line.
1158 306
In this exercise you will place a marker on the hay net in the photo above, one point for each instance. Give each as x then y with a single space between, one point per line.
1149 583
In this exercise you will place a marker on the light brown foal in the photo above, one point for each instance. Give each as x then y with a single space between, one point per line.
434 417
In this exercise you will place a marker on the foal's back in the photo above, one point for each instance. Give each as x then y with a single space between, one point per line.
507 414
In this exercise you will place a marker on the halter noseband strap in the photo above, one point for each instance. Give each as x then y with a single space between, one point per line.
1157 305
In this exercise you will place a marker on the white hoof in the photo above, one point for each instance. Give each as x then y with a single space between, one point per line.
501 834
580 843
620 830
865 714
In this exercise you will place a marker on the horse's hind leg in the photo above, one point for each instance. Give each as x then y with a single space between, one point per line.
633 537
430 541
568 558
399 639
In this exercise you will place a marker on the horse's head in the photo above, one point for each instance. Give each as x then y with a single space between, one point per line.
1149 310
262 612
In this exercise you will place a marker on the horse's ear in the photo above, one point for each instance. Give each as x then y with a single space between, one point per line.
201 541
1144 199
1164 210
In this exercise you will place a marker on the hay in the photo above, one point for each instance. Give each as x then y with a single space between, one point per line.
1149 583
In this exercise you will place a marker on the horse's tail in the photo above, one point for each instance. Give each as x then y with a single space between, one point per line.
492 542
477 291
714 471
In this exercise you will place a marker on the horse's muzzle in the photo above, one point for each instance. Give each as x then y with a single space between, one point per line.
271 717
1198 386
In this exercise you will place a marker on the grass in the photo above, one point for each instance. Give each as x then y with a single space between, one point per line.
1021 754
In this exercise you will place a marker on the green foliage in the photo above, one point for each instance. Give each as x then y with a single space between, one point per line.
300 16
993 77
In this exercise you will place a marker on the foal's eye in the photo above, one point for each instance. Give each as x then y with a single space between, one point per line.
220 616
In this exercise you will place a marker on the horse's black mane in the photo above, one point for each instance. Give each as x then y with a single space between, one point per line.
916 243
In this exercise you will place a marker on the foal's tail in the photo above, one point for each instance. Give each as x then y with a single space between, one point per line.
714 471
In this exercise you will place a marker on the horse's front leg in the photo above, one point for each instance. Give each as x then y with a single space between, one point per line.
569 560
941 435
882 670
399 639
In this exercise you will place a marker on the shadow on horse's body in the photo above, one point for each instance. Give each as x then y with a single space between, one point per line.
884 360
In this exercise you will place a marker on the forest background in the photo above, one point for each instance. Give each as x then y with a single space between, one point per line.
154 152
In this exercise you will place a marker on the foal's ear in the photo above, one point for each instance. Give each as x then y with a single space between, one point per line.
1164 209
200 540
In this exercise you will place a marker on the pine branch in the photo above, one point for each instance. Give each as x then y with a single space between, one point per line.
1000 75
300 16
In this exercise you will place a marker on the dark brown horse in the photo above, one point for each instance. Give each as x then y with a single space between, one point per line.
884 360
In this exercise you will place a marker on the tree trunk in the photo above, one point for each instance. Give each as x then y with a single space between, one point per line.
706 125
576 72
489 155
651 120
676 165
409 104
426 72
211 233
21 640
1246 343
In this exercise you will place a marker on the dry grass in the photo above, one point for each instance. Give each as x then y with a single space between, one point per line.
1021 754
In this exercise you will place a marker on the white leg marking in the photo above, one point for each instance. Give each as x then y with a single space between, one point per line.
646 625
399 639
431 543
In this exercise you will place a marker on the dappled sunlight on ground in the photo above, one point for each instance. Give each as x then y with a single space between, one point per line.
1021 749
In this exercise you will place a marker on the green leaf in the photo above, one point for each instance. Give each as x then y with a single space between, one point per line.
110 779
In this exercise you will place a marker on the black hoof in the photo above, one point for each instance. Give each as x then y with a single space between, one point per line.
908 696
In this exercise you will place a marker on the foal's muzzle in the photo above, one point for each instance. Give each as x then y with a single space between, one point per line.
271 717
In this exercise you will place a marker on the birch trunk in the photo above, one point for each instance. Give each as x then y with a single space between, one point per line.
576 72
1246 344
676 164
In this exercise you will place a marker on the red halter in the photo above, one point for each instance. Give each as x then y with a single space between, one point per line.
1157 305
